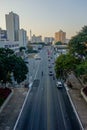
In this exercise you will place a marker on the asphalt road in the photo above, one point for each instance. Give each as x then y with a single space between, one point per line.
45 107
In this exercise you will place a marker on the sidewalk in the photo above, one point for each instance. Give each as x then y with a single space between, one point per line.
79 102
9 114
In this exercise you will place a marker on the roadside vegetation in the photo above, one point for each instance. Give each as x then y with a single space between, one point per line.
58 43
10 65
76 59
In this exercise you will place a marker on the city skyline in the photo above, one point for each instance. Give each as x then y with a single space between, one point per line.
48 16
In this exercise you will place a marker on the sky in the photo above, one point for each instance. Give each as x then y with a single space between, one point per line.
45 17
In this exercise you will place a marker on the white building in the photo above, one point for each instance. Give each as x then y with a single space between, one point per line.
48 40
14 37
12 26
11 45
36 39
23 37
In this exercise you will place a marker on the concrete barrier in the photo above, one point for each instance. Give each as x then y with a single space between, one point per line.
6 101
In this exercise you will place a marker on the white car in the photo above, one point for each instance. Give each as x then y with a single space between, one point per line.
59 84
37 57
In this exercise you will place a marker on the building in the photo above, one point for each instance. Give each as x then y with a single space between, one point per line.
48 40
60 36
23 37
36 39
11 45
3 35
14 37
30 35
12 26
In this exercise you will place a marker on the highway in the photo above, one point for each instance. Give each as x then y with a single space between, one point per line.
46 107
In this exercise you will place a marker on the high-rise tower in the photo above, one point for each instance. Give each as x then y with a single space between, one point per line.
12 26
30 35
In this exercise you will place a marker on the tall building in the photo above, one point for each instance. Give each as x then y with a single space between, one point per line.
22 37
60 36
12 26
30 35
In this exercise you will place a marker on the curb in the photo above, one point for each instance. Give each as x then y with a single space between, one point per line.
82 128
21 110
6 101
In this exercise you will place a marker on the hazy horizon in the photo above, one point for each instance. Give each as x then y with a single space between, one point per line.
45 17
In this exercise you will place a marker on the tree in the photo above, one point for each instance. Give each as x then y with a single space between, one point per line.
10 63
22 48
20 69
82 68
77 44
65 64
58 43
81 71
4 55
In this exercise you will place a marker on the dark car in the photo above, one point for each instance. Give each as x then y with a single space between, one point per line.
50 73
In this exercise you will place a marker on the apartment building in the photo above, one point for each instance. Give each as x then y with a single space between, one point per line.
60 36
12 26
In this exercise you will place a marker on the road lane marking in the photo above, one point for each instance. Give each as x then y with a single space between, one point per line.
37 70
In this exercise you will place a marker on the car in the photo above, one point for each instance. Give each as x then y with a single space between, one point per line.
48 59
50 73
59 84
49 66
37 57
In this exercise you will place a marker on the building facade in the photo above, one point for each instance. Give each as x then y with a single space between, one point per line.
11 45
23 37
3 35
60 36
36 39
12 26
48 40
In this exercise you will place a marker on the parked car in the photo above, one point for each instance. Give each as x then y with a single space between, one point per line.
59 84
50 73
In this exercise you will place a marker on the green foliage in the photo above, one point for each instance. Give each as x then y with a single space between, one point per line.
77 44
6 52
74 61
58 43
22 48
10 63
19 70
82 68
64 64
